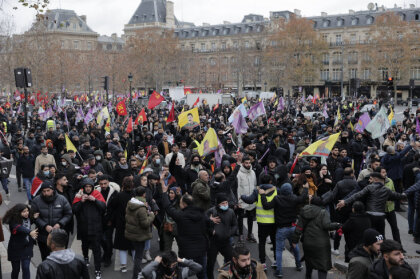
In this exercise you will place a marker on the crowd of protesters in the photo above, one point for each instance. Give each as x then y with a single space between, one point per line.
123 190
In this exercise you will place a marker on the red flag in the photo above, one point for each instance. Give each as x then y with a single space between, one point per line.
171 116
314 100
121 108
7 105
294 164
197 101
187 91
130 125
216 107
155 100
141 117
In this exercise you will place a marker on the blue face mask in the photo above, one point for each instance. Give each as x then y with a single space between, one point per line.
224 207
46 173
157 161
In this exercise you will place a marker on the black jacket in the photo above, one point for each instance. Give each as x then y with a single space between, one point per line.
379 270
118 174
63 264
226 228
26 166
353 230
57 211
376 195
192 227
360 262
285 207
226 187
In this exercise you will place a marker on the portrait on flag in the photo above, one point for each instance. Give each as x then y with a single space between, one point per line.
189 119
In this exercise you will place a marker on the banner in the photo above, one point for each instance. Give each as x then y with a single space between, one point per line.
256 110
379 124
321 147
364 120
189 119
209 143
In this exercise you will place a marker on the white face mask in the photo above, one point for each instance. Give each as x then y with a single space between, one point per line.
64 163
98 158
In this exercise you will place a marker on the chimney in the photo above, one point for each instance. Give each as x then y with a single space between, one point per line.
83 17
324 14
412 6
170 17
206 24
297 12
351 12
114 36
226 22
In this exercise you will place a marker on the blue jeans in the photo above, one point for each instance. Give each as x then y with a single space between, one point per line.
25 269
203 262
4 183
281 235
27 182
411 212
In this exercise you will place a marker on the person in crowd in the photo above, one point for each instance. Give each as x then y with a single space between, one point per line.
201 191
169 266
22 239
54 213
138 226
62 262
242 266
26 167
89 207
43 159
363 255
169 227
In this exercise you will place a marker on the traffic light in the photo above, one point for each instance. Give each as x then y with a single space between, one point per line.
390 82
105 83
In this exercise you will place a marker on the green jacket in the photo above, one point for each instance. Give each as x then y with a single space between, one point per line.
138 221
390 205
201 194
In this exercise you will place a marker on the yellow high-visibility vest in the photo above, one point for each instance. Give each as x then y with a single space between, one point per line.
265 216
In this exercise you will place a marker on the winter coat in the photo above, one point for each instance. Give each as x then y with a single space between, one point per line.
342 190
226 187
247 182
314 222
393 164
138 226
353 230
89 216
21 243
285 207
114 189
201 194
43 160
68 194
185 269
26 166
57 211
119 173
63 264
379 270
117 208
226 228
226 273
376 195
359 264
192 227
68 170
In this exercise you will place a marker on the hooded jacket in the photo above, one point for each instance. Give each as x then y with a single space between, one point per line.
247 182
226 228
379 270
201 194
63 264
138 220
360 262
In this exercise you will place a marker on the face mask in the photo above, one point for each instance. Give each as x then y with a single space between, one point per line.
308 175
64 163
98 158
157 161
224 207
169 270
195 163
46 173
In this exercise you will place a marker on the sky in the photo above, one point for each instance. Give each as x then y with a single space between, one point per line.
109 16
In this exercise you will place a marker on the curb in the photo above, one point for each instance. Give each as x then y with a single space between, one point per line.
341 266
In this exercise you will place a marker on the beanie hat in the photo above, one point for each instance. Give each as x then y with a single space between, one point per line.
286 189
87 181
47 185
371 236
220 198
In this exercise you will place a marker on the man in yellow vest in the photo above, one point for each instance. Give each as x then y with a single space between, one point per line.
285 214
265 217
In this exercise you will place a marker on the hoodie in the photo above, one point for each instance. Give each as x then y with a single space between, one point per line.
138 220
360 261
247 183
62 256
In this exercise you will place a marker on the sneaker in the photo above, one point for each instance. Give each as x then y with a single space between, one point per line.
19 189
251 238
87 262
335 252
147 256
274 265
299 268
278 274
8 196
123 268
98 274
264 265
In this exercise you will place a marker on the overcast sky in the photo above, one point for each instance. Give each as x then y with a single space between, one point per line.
109 16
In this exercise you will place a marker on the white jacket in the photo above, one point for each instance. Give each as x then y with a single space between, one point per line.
247 183
113 187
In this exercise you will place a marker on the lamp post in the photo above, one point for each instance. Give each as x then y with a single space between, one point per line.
130 79
265 86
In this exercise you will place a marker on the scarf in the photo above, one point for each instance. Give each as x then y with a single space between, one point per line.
312 187
236 274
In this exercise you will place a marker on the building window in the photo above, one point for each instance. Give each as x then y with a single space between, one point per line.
338 39
89 45
325 74
353 73
182 47
383 73
354 21
235 44
109 46
257 61
415 73
234 60
192 47
352 57
203 46
213 46
336 75
325 37
212 62
417 17
62 44
74 25
326 23
224 76
225 61
326 58
353 39
369 20
340 22
246 44
223 45
337 58
366 73
76 44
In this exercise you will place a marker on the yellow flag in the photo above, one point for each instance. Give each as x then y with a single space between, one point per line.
244 100
209 143
322 147
125 153
108 126
185 119
391 116
351 126
276 103
103 114
69 144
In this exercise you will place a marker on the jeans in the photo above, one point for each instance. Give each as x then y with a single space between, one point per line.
281 235
392 220
203 262
19 178
106 243
25 269
249 215
215 247
147 245
378 223
123 256
411 212
4 182
27 182
94 243
139 248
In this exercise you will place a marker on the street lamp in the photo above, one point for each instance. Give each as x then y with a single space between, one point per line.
130 79
265 86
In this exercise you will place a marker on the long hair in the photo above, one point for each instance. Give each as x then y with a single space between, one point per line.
14 214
